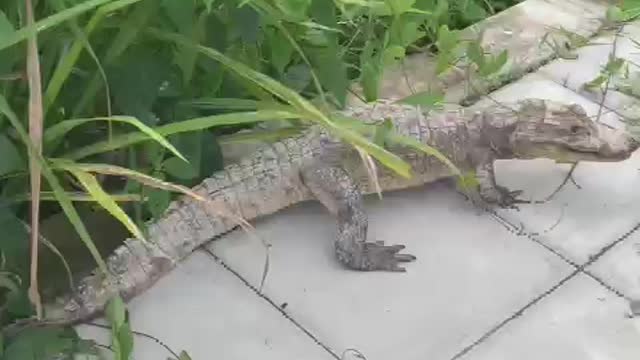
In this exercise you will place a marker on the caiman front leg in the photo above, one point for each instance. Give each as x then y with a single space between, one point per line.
488 189
335 189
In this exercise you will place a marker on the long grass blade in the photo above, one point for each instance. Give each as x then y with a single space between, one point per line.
305 108
106 169
59 130
49 22
91 184
61 195
195 124
77 197
35 134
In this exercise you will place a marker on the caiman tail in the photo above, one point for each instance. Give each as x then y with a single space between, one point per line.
260 184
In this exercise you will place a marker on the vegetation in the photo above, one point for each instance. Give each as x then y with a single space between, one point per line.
119 104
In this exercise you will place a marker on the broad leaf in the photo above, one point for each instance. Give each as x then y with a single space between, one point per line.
40 343
332 72
280 50
136 81
180 169
10 159
425 99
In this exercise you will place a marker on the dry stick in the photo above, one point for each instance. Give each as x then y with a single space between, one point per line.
564 182
139 333
35 132
597 119
614 47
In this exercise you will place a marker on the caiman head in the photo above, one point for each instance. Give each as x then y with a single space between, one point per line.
561 132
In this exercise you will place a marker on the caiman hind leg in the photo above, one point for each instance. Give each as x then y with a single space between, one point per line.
335 189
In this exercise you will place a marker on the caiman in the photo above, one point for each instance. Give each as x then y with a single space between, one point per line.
315 165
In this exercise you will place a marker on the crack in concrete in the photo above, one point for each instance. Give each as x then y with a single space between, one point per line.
264 297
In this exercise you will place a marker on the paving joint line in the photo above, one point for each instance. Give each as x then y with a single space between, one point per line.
264 297
520 231
581 267
514 316
578 268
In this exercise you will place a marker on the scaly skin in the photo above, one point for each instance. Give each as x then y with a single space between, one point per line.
316 166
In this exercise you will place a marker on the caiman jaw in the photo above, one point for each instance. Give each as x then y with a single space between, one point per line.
615 144
604 145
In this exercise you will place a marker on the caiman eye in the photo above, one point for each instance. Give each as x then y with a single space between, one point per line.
575 129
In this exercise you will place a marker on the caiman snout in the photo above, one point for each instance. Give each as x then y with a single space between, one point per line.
616 144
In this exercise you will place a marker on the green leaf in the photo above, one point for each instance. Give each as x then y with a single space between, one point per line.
184 356
296 9
8 282
447 39
14 246
446 43
57 131
221 104
495 64
303 107
208 4
40 343
158 201
476 53
370 80
411 33
443 62
473 12
93 187
18 305
181 13
382 132
614 65
393 54
281 50
10 160
186 58
332 71
596 82
195 124
425 99
127 34
6 28
63 200
179 169
123 346
614 14
399 7
136 80
66 64
245 22
297 77
8 57
116 312
49 22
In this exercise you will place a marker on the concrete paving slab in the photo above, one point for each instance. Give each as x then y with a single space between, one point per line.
469 273
580 320
620 267
591 59
204 309
577 222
